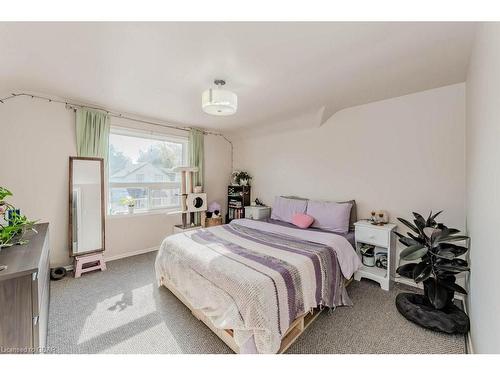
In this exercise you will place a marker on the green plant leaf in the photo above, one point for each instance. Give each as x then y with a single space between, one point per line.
452 286
419 221
422 272
417 239
406 240
445 254
452 268
445 232
413 252
449 248
438 295
4 193
406 270
432 218
408 224
457 250
451 239
453 262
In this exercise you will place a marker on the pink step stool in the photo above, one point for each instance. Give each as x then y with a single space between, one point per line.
82 260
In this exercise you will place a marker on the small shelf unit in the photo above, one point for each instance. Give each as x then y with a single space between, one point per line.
382 238
237 198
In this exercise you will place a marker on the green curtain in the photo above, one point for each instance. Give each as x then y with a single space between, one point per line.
92 133
196 159
196 153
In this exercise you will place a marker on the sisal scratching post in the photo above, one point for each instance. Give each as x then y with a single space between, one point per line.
191 203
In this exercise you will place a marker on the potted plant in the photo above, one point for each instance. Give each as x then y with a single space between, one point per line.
13 225
434 262
241 178
129 202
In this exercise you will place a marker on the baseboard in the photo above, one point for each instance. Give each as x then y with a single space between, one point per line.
468 338
121 256
405 281
129 254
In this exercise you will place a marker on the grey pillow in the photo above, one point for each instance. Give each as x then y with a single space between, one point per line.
354 212
285 208
330 216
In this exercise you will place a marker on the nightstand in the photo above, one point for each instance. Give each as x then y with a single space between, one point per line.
257 212
383 239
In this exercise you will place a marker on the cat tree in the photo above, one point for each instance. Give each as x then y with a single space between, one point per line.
191 201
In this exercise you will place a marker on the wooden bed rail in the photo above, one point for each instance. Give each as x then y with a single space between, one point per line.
297 327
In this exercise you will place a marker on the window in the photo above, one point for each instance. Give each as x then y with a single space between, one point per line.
141 167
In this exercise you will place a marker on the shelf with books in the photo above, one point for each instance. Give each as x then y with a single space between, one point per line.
237 198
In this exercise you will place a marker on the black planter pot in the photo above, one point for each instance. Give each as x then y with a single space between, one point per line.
417 309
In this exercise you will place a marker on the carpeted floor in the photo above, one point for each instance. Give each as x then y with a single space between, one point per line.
122 311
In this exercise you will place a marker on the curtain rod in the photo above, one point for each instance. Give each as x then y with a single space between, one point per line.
75 106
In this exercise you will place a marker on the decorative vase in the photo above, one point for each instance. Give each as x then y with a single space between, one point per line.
130 209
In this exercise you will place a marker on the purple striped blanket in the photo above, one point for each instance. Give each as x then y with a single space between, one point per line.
254 280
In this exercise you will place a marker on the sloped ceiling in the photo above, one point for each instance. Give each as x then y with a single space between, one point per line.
278 70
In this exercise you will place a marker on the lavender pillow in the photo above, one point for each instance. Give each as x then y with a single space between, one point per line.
284 209
331 216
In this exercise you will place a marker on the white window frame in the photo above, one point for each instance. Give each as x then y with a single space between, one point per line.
149 185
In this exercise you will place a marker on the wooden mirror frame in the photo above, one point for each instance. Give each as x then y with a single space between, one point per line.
70 201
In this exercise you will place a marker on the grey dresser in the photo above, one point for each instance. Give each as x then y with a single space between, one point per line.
24 294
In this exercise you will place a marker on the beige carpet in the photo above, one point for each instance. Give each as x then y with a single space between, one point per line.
122 311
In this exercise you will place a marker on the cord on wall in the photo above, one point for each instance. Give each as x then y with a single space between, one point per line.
74 106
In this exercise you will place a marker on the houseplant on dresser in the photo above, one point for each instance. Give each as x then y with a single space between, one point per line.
13 225
435 262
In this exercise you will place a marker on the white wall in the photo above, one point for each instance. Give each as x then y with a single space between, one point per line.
483 176
37 138
403 154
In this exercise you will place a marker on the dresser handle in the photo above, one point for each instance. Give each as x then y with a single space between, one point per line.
34 275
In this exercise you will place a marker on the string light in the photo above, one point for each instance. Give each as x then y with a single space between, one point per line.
75 106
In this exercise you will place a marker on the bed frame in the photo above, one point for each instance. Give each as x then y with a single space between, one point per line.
297 327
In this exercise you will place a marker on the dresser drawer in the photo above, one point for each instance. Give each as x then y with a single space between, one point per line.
372 236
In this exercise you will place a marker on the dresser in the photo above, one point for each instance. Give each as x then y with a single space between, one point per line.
24 294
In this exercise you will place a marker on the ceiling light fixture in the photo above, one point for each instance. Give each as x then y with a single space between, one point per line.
219 102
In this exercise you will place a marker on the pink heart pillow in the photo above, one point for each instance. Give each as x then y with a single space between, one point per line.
302 220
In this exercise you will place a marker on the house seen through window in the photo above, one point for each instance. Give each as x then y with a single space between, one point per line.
141 167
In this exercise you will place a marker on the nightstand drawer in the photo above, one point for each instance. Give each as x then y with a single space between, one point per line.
372 236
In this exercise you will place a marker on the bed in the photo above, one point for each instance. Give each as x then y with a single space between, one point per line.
257 284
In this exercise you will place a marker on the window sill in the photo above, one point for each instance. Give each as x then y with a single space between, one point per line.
143 213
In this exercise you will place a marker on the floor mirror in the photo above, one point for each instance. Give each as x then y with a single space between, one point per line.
86 205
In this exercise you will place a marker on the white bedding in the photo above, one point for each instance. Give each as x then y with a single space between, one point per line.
202 271
348 260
